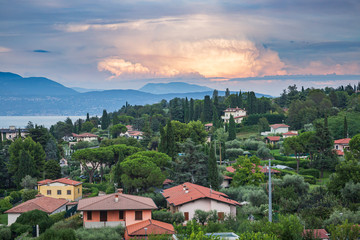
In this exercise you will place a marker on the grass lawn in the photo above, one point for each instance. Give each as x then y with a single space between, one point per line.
248 131
3 219
275 151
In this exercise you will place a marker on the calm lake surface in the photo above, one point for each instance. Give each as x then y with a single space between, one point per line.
22 121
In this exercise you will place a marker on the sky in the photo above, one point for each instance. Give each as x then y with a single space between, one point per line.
124 44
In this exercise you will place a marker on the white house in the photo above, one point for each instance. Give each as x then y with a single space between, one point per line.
237 113
132 133
45 204
277 129
340 145
88 137
188 197
11 133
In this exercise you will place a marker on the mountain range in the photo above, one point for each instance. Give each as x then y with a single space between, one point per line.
41 96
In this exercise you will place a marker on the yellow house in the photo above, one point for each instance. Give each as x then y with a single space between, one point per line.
61 188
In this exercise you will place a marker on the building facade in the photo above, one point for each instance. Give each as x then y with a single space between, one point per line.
237 113
61 188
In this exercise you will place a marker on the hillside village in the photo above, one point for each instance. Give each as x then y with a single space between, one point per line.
190 169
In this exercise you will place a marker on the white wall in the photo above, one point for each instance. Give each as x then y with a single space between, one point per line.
12 218
60 209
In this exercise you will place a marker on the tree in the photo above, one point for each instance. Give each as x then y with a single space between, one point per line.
141 173
213 172
346 134
40 135
86 157
207 109
87 126
29 194
52 170
117 129
28 182
51 150
105 120
247 171
232 128
170 140
104 156
348 231
263 124
27 220
26 167
161 160
292 145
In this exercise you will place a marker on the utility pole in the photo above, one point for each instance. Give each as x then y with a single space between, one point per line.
270 190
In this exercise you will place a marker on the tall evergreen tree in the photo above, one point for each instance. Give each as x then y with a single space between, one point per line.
227 92
186 111
105 120
213 175
240 100
170 148
26 167
346 134
207 109
163 140
191 110
87 117
232 128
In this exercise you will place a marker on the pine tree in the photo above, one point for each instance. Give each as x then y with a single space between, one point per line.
26 167
186 111
346 134
227 92
232 128
87 117
163 140
213 175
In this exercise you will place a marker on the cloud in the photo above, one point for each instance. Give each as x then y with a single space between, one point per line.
209 58
326 67
4 49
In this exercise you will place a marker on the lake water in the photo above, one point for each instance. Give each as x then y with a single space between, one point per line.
22 121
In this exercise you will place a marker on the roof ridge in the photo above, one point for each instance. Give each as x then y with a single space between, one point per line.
137 200
100 199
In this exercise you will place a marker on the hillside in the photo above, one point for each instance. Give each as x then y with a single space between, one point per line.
173 87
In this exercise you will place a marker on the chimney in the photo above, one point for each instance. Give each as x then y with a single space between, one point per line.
120 190
116 198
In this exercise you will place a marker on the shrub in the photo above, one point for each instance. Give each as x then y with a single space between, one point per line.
16 197
233 153
26 220
73 222
107 233
5 233
94 192
311 171
62 234
5 204
29 194
158 198
309 179
263 152
57 216
165 216
233 144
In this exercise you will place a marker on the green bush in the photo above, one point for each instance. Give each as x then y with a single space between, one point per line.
62 234
16 196
94 192
73 222
107 233
168 217
311 171
29 194
57 216
158 199
26 220
309 179
283 158
5 233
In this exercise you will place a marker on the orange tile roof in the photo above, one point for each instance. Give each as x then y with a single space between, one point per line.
107 202
289 133
188 192
153 227
340 153
46 204
343 141
66 181
233 109
167 181
317 233
82 135
273 138
279 126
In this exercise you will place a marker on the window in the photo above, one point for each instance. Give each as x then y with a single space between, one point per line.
58 192
221 216
68 192
138 215
121 215
78 190
186 215
48 192
89 215
103 216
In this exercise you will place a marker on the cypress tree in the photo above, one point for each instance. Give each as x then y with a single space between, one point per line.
227 92
170 148
213 176
207 109
105 121
87 117
186 111
26 167
239 100
163 141
232 128
191 110
346 134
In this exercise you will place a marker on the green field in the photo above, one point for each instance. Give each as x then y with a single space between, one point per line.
248 131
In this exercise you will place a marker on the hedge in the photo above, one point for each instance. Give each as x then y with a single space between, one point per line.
309 179
283 158
311 171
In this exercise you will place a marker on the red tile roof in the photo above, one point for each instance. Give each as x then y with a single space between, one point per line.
153 227
233 109
208 125
46 204
188 192
167 181
340 153
344 141
275 126
135 133
240 116
317 233
66 181
273 138
83 135
107 202
290 133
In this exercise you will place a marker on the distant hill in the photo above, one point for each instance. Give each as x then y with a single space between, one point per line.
14 85
83 90
173 87
41 96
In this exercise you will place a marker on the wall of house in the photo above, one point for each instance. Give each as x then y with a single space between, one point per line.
12 218
60 209
225 183
279 130
221 207
76 191
130 216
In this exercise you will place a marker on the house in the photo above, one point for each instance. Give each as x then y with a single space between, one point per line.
115 209
340 145
188 197
272 139
237 113
226 182
88 137
148 227
277 129
61 188
290 134
316 234
208 126
11 133
132 133
63 162
46 204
